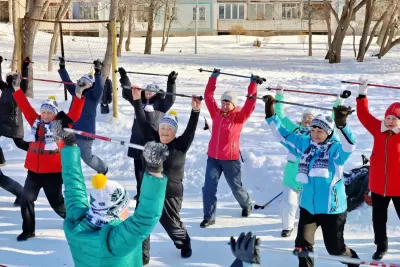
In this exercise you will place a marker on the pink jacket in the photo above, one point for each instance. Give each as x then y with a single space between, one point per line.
224 143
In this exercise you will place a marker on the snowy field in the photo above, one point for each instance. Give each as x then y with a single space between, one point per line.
281 60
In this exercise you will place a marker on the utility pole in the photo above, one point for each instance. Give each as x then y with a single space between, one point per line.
195 26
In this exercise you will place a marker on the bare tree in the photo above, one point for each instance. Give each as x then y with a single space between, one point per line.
172 17
16 33
350 8
309 29
150 25
131 27
389 39
62 11
328 24
123 12
369 11
105 72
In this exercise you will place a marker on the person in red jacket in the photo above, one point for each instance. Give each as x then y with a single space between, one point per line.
384 171
43 159
223 149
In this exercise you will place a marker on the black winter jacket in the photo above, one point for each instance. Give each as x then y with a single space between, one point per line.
161 106
174 165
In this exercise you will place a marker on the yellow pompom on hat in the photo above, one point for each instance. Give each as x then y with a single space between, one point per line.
99 181
52 97
170 119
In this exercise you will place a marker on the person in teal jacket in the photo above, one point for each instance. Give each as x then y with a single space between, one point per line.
291 187
100 233
323 200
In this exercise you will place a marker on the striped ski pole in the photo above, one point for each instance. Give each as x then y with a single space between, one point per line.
266 204
47 81
302 92
375 85
228 74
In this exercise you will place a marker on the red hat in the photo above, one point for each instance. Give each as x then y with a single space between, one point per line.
394 110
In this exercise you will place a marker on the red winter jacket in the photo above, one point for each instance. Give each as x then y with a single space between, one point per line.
224 143
37 159
384 171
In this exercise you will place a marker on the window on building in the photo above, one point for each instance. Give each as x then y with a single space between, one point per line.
89 12
202 13
231 11
260 11
291 10
317 11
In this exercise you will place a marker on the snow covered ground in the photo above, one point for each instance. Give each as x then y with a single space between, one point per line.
282 60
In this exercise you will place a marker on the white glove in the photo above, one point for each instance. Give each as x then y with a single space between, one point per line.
149 108
341 100
363 87
281 90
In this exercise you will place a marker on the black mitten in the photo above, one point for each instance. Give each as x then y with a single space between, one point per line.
341 114
172 77
269 101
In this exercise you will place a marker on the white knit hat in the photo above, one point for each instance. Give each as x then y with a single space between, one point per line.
324 122
308 112
50 104
108 199
230 96
170 119
86 79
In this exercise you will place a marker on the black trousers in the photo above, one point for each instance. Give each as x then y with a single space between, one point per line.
10 185
171 221
52 186
138 164
380 206
332 230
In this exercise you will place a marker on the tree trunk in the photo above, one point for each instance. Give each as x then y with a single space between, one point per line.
150 25
164 45
105 71
166 13
130 28
14 63
62 11
309 29
385 24
372 35
328 25
122 19
44 9
369 11
388 31
354 40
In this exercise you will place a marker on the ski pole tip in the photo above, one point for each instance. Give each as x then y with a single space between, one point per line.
201 69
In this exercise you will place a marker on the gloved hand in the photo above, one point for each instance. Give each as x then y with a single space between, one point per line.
122 72
246 248
26 62
62 121
363 87
341 97
97 66
256 79
215 73
161 93
281 91
13 80
172 77
80 87
3 85
269 101
341 114
155 154
62 63
368 199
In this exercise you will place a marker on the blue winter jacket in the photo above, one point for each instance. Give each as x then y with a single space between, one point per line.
87 122
320 195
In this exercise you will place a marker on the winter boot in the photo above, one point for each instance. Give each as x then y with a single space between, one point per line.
381 249
206 223
25 236
286 233
186 253
247 212
353 256
2 159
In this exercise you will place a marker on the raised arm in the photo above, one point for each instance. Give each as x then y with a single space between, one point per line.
130 234
347 145
148 132
249 104
65 78
76 203
209 97
165 104
98 82
370 123
186 139
280 112
75 110
24 74
126 86
25 107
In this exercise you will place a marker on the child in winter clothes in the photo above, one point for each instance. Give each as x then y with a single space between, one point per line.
384 172
43 159
11 125
158 104
173 168
223 149
291 188
323 197
101 232
87 122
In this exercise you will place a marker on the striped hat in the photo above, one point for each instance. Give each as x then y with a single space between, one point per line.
170 119
50 104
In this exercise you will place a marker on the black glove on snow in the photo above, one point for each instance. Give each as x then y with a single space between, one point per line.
122 72
97 66
62 63
172 77
246 249
269 101
58 125
341 113
155 154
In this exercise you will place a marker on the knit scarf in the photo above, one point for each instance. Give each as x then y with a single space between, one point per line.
301 130
320 167
49 137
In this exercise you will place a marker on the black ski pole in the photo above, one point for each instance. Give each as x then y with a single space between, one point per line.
6 59
206 127
74 61
63 55
295 104
145 73
229 74
266 204
167 93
